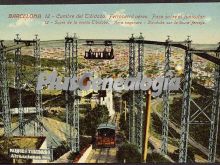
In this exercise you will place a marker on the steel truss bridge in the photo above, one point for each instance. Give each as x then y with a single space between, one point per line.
136 102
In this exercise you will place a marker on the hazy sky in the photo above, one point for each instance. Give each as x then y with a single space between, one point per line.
208 33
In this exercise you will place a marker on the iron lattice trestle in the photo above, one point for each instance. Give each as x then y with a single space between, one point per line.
186 105
4 95
38 97
132 115
215 115
136 99
18 86
139 96
166 106
71 97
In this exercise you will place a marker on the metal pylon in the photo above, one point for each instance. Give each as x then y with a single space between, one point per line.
71 97
166 106
38 97
139 97
18 86
186 105
215 115
5 102
132 93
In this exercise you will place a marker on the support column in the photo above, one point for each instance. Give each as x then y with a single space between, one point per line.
75 95
18 86
140 95
186 105
38 97
67 74
5 103
166 93
71 97
132 93
215 115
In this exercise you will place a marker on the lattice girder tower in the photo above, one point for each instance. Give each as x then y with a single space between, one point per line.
71 97
21 78
186 104
18 86
140 95
166 93
4 95
132 121
215 113
188 119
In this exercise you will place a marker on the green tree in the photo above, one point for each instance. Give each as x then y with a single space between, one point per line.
124 125
128 153
95 117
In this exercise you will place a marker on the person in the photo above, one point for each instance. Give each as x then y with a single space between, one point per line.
90 53
105 54
111 53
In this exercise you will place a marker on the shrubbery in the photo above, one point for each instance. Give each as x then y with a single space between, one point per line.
156 158
124 125
93 118
128 153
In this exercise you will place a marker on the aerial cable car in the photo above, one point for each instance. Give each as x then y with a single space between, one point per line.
105 54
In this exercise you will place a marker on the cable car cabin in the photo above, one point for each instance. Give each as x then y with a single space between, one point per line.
105 54
105 135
